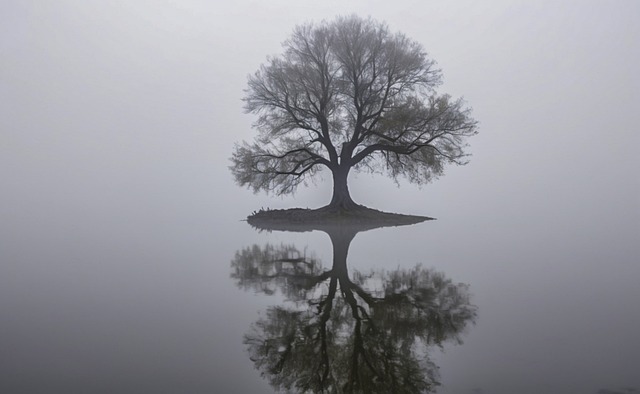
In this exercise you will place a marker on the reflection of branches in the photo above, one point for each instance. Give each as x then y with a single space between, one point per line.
364 341
284 267
283 342
424 303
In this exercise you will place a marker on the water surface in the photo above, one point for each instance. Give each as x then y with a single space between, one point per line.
157 303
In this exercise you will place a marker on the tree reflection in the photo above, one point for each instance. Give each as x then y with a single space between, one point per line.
359 333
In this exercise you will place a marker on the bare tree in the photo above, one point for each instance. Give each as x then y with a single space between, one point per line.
349 94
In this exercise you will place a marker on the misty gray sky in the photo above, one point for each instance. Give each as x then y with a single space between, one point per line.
106 99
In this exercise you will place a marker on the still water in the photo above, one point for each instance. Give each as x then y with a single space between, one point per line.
143 301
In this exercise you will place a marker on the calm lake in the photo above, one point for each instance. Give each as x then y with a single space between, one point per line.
150 300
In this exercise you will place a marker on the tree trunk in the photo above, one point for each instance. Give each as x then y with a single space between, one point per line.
341 199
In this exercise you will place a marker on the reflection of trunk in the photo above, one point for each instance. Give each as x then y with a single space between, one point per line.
341 199
341 238
326 314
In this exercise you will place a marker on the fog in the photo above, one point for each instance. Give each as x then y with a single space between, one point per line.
119 216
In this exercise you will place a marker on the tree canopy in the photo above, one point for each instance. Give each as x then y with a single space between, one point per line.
349 94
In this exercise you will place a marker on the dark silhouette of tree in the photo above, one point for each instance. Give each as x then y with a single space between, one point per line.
349 94
360 333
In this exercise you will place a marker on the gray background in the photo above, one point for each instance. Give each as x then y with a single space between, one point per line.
118 215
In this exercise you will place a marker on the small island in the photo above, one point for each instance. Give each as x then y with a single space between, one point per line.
299 219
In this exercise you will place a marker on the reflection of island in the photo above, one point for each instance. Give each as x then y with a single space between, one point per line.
365 333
